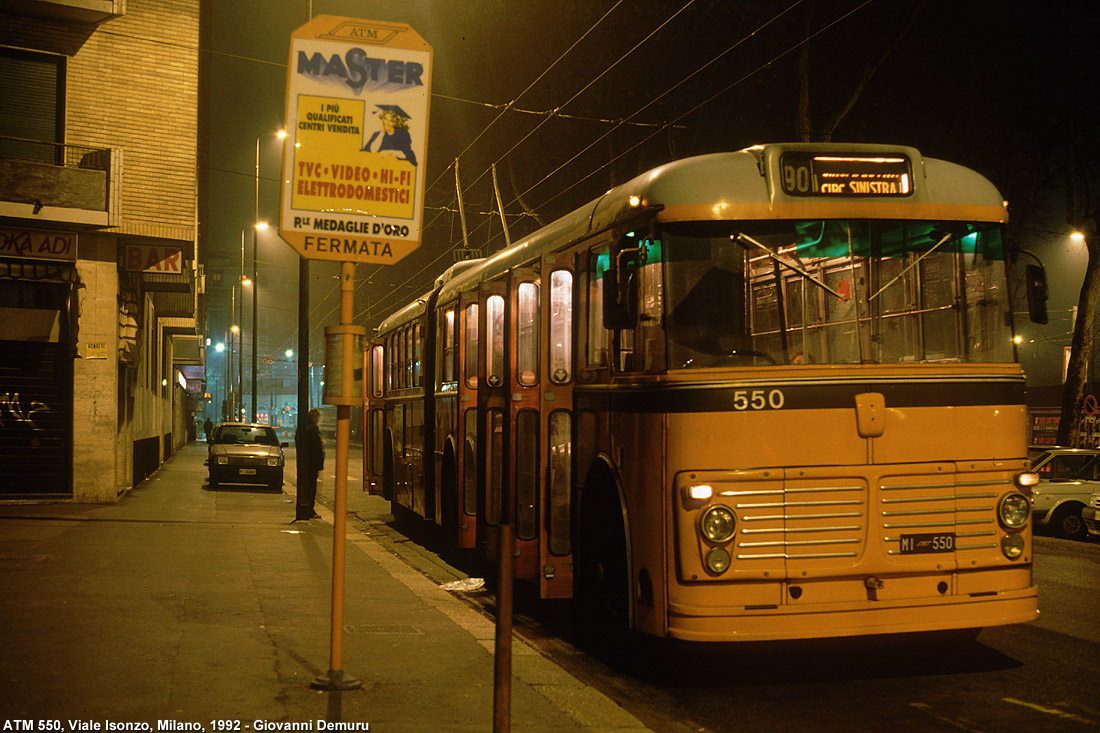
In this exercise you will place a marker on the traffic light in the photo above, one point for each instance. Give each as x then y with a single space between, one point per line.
1036 279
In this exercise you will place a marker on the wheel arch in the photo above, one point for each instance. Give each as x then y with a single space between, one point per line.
603 485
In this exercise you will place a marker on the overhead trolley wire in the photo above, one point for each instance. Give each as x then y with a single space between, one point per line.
672 122
587 86
367 312
510 105
697 106
648 104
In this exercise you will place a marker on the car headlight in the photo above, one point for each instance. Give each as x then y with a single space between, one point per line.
223 460
275 461
718 523
1013 510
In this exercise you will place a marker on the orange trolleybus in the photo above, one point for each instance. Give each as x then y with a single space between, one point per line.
766 394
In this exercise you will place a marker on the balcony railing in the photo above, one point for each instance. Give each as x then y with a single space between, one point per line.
56 183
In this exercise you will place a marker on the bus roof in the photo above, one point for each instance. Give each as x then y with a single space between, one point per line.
745 184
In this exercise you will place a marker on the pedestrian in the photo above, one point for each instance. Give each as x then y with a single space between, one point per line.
208 427
311 449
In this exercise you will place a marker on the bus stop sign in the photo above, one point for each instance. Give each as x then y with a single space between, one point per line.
357 122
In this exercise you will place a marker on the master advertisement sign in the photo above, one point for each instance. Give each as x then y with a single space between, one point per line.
357 119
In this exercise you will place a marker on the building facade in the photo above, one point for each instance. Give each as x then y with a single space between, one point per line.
100 351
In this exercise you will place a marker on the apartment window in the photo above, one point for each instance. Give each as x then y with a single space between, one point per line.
32 86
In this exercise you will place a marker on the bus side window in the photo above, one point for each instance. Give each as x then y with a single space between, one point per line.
494 319
448 340
388 356
596 336
399 359
377 370
561 326
416 341
527 336
470 366
409 359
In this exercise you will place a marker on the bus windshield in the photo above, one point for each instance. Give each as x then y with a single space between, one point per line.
833 292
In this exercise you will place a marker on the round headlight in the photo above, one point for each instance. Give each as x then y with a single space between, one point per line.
1012 546
718 523
1013 510
718 560
1026 479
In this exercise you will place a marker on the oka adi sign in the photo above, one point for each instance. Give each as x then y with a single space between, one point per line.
357 122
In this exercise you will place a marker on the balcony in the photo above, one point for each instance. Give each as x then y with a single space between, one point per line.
81 11
62 186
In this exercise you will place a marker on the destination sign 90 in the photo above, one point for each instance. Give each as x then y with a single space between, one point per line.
808 174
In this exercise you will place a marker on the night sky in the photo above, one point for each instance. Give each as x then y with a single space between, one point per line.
603 90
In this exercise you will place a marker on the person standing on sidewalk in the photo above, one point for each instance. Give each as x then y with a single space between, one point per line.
208 427
311 449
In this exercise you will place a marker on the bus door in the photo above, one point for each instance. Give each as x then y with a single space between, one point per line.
522 438
556 426
373 417
492 405
466 440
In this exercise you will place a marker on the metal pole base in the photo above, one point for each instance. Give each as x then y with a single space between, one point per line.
335 679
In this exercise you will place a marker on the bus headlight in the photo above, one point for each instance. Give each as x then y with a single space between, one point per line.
1012 545
718 524
718 560
1013 510
1026 480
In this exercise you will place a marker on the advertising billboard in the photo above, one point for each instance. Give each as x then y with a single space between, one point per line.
357 102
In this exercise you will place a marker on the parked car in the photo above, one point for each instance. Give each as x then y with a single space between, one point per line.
1067 479
1091 515
245 453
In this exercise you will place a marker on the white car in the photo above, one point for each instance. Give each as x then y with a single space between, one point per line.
1091 515
1067 479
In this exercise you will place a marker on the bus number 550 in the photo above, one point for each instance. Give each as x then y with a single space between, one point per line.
757 399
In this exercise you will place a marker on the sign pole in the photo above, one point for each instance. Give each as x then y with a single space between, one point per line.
357 111
335 679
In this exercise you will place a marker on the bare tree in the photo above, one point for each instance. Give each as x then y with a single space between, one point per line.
1083 214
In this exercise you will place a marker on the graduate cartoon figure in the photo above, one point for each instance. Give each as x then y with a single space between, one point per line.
394 135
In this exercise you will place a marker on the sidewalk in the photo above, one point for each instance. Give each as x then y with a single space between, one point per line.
184 604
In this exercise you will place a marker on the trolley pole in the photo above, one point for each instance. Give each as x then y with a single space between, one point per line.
343 355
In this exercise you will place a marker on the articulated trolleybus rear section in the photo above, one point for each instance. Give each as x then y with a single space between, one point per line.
768 394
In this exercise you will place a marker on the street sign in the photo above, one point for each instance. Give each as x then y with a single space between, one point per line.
357 122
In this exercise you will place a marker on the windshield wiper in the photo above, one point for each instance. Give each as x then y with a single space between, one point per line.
745 239
913 264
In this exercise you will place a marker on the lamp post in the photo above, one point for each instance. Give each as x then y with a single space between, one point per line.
225 385
258 226
242 281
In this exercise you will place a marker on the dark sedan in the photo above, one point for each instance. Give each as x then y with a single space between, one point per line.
245 453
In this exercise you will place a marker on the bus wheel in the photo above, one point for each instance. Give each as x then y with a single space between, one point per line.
601 578
1067 522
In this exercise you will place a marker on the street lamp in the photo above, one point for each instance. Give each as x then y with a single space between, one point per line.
258 227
